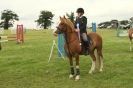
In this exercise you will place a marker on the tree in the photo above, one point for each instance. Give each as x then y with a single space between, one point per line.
8 17
131 23
124 22
131 19
71 16
45 19
114 24
104 24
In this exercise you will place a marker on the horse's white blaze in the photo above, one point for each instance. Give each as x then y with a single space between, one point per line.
93 66
77 77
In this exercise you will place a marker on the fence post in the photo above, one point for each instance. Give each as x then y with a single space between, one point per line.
61 43
20 34
94 27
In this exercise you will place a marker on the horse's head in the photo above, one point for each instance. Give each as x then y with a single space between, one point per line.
64 26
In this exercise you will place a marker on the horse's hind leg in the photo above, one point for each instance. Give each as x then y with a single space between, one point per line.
100 57
93 66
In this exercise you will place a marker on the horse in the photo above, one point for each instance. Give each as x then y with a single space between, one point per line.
73 47
130 35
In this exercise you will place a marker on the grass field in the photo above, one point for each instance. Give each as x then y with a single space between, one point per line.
26 65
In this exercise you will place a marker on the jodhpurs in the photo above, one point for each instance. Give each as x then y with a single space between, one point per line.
84 36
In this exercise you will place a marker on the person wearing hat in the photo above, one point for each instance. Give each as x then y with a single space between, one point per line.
81 27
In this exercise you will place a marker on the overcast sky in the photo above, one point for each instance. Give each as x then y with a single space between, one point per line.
95 10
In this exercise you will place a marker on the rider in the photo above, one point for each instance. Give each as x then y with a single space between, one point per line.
81 21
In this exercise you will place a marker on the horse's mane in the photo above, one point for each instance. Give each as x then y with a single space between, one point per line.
69 24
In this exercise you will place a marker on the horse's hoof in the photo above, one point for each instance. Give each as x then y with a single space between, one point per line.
90 72
100 70
71 76
77 78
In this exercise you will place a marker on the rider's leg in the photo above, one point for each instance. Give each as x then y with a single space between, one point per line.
86 41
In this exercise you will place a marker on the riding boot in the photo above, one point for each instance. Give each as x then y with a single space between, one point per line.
86 47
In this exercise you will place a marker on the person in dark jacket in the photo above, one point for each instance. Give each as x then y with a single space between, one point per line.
81 26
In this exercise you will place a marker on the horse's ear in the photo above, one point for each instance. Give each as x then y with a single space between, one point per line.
64 17
60 18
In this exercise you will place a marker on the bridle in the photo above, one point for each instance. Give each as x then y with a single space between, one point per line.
66 39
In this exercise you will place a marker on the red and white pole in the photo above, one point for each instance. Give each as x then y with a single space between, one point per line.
19 34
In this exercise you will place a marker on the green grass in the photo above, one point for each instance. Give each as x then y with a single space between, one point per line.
26 65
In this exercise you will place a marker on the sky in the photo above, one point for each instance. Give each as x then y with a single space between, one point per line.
95 10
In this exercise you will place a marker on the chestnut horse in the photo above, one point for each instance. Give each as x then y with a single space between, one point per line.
130 35
73 47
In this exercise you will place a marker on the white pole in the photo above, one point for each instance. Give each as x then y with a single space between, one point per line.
3 37
59 51
52 48
51 51
4 40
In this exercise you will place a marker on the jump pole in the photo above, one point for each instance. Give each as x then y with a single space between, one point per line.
20 34
7 38
94 27
61 43
51 52
19 38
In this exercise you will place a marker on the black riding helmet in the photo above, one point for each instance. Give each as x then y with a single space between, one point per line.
80 10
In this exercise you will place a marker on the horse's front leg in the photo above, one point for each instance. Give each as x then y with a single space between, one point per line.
77 68
71 67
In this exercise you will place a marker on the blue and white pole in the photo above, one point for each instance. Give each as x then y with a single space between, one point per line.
61 43
94 27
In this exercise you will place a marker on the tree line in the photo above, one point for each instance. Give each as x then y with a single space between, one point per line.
8 17
114 24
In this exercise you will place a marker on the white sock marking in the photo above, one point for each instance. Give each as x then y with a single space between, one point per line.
92 67
101 67
71 76
77 77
